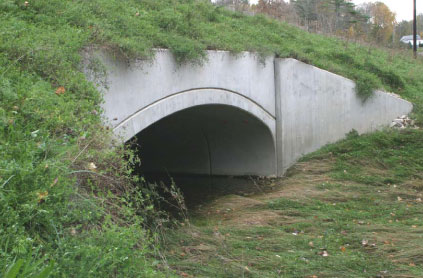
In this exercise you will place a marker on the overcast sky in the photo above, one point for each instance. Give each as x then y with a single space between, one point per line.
403 8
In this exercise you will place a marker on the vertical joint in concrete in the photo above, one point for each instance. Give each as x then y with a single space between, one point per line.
278 114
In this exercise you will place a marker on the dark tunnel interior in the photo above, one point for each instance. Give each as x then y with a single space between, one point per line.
206 149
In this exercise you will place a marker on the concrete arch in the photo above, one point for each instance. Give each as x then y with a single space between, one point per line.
173 103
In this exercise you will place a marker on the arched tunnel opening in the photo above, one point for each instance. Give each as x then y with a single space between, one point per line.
207 150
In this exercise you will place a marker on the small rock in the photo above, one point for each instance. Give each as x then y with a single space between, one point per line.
92 166
364 242
403 122
324 253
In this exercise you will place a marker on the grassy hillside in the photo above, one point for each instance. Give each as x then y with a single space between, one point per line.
62 189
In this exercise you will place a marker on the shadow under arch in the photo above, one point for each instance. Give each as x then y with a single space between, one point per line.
210 139
199 147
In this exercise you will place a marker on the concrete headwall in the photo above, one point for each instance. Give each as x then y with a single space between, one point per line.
315 107
163 87
303 107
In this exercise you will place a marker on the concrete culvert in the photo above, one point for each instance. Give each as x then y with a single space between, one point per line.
203 141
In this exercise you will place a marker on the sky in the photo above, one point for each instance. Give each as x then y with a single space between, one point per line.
403 8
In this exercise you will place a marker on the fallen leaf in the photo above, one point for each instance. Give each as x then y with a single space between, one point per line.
60 91
42 196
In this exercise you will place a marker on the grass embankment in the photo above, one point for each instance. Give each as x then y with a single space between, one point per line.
62 188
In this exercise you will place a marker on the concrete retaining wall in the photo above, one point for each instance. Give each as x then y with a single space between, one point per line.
316 107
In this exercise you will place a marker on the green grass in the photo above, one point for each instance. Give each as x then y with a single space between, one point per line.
367 231
56 207
397 154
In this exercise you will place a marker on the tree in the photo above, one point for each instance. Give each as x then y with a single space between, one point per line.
307 11
238 5
381 22
276 8
330 16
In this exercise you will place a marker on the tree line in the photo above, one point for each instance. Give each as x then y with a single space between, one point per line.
370 22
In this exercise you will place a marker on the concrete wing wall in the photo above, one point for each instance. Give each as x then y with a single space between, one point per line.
315 107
